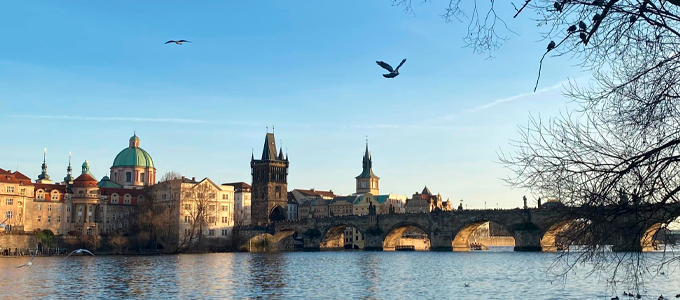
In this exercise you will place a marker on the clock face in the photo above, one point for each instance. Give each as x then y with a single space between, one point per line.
363 184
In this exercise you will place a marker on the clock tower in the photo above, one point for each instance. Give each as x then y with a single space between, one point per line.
367 182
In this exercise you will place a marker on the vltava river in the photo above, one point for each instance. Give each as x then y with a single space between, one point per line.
316 275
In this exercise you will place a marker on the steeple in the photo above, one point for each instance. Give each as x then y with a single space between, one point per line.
43 177
281 153
269 149
367 165
69 171
86 168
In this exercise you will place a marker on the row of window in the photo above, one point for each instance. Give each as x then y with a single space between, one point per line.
211 232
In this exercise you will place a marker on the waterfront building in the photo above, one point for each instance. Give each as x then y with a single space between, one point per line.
425 202
269 184
241 203
200 213
16 194
292 207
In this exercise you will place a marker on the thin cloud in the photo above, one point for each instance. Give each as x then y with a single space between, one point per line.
147 120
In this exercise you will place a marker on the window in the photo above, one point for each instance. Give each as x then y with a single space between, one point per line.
38 218
127 199
211 232
39 207
107 219
187 206
224 196
140 199
126 223
40 195
49 219
128 176
114 217
224 232
186 232
68 208
58 219
68 219
8 214
212 207
10 189
224 219
89 231
211 219
141 177
22 192
120 225
9 201
187 219
58 207
101 208
114 198
55 196
80 231
49 207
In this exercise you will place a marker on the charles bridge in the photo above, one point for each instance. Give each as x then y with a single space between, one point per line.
533 229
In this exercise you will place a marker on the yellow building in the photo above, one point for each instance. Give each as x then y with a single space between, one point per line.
16 194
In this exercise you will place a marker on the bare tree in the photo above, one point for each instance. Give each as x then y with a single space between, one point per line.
617 154
170 176
198 209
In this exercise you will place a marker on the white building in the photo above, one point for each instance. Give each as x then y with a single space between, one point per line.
241 203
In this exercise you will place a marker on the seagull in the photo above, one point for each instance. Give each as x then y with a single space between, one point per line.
615 298
80 251
466 285
393 72
177 42
661 297
30 261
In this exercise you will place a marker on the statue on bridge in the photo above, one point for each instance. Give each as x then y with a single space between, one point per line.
525 202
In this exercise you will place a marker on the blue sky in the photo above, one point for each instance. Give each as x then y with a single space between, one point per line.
82 76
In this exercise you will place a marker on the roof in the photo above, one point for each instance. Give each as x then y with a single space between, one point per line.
343 200
313 192
239 186
85 180
14 177
133 157
367 165
269 150
50 187
426 191
107 183
381 198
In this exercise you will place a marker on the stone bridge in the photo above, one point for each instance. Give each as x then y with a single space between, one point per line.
532 229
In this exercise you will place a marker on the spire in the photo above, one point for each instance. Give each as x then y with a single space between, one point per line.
269 149
43 176
280 149
69 177
286 153
367 164
252 154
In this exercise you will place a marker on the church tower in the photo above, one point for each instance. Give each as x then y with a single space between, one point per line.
43 177
367 182
270 184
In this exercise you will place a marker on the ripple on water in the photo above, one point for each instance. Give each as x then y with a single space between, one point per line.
365 275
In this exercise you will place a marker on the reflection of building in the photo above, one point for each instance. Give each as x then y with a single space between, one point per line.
241 203
426 202
270 183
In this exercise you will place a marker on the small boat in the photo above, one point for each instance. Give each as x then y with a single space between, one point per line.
405 248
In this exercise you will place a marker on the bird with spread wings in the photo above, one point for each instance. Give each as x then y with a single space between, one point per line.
30 261
179 42
393 72
79 251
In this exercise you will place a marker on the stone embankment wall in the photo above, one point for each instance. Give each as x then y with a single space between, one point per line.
9 243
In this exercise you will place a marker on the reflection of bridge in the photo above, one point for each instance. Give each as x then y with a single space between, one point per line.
533 229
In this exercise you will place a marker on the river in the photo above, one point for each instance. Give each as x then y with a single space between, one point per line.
315 275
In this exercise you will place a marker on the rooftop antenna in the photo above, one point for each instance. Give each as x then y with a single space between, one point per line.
272 128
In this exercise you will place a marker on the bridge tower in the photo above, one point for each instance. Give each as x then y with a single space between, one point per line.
367 182
270 184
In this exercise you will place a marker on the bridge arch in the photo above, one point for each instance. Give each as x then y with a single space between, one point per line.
407 234
277 213
657 235
560 235
340 236
477 234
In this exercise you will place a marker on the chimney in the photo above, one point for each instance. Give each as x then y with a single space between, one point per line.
193 178
312 189
182 178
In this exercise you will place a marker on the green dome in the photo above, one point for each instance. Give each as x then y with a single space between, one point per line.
133 157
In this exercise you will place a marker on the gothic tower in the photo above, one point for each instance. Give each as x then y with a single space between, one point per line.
270 184
367 182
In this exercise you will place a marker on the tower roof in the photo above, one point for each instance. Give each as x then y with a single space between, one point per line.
269 150
367 165
426 191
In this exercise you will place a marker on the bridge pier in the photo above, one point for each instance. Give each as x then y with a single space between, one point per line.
374 242
528 238
628 240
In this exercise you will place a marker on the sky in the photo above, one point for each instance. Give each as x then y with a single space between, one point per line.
82 77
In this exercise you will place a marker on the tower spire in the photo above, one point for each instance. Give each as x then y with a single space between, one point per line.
69 174
43 177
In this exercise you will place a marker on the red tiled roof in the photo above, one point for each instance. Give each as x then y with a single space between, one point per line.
16 177
50 187
316 193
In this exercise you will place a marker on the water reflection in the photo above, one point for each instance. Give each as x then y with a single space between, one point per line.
327 275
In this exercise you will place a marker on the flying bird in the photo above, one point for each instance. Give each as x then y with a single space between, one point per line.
466 285
2 225
80 251
30 262
393 72
177 42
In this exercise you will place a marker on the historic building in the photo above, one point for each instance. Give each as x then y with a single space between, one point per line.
133 167
16 194
367 182
269 184
199 213
292 207
426 202
241 203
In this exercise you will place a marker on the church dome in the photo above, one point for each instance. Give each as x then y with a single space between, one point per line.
133 156
85 180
